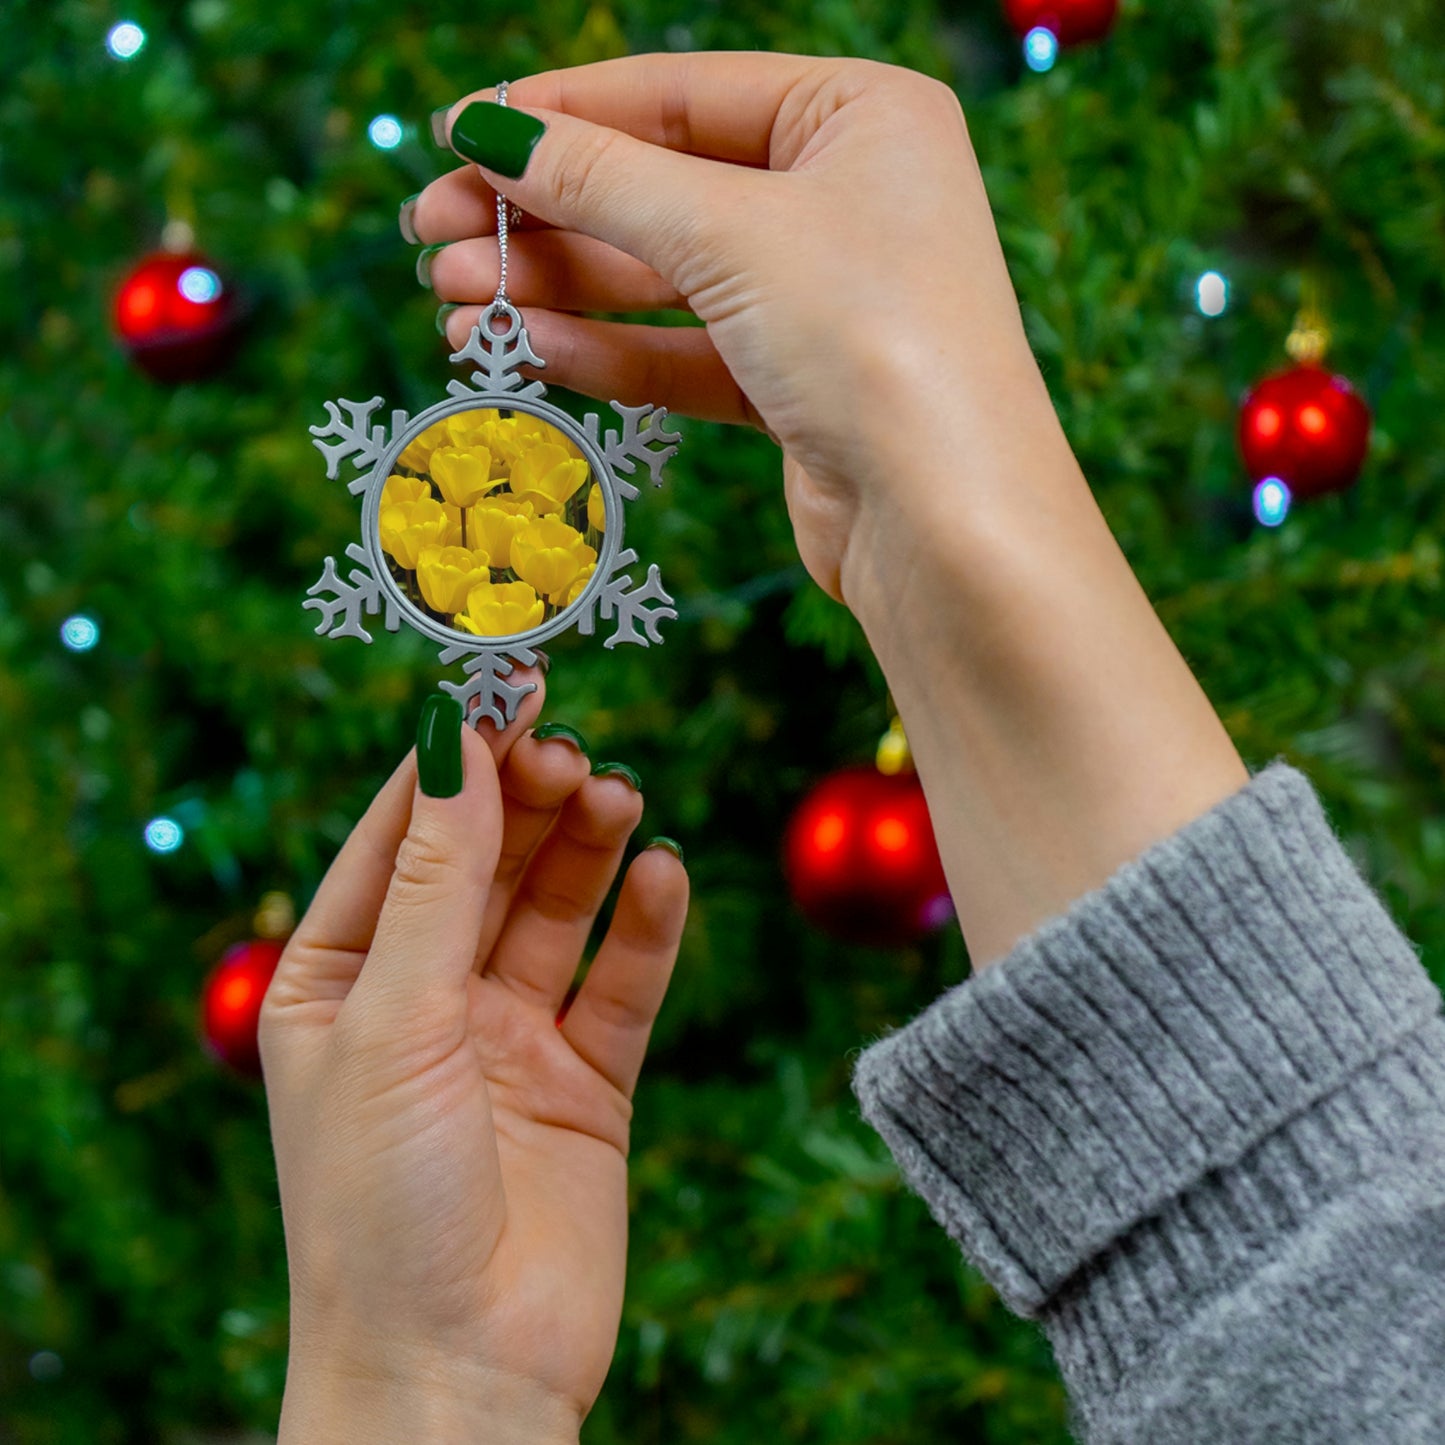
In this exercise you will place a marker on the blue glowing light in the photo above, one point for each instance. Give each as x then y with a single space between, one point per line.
199 284
385 132
126 40
1211 294
80 633
1271 502
1041 48
164 835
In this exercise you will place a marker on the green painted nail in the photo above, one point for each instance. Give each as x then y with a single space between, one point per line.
423 262
496 136
561 730
443 311
619 770
671 844
404 219
438 125
439 747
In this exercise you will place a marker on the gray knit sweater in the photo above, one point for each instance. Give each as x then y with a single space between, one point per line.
1196 1127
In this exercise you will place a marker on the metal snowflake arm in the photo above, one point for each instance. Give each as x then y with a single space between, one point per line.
360 441
630 605
643 438
498 355
341 613
494 698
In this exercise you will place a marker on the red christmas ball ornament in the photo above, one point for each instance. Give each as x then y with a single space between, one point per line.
176 317
1306 426
1071 22
231 1003
861 861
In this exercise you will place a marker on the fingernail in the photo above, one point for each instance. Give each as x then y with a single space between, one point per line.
561 730
404 219
439 126
671 844
439 747
423 263
619 770
443 311
496 136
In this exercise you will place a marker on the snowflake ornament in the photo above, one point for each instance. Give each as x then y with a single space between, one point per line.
493 521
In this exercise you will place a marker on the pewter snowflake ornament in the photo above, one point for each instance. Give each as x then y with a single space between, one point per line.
492 521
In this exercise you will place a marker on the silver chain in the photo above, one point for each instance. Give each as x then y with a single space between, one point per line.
501 299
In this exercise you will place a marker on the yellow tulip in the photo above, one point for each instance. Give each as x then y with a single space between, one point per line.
576 589
549 554
483 429
409 526
500 609
417 452
546 476
596 509
463 474
493 523
447 574
404 489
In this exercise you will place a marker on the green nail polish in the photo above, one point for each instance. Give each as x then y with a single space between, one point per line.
671 844
561 730
405 220
618 770
439 747
496 136
423 262
438 124
443 311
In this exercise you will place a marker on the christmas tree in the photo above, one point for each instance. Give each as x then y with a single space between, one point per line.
177 743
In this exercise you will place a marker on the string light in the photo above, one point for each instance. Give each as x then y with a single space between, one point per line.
164 835
1041 48
385 132
80 633
199 284
1211 294
126 40
1271 502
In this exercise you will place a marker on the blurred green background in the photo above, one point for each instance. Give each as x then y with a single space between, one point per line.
783 1285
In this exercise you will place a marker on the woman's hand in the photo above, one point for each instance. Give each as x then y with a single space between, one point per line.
827 221
452 1159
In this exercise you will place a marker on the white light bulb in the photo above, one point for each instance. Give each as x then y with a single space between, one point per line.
126 40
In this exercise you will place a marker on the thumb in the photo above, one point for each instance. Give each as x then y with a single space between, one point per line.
665 208
426 934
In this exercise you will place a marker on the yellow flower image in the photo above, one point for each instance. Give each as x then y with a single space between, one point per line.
407 527
464 474
447 574
576 589
550 555
417 452
500 609
596 508
493 523
404 489
483 429
547 476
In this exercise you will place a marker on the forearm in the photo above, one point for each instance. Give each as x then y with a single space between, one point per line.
1057 730
417 1402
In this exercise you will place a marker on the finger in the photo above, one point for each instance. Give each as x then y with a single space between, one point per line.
673 366
421 954
460 204
500 741
611 1019
564 887
540 775
557 269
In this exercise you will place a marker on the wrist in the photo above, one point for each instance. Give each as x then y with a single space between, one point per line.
425 1401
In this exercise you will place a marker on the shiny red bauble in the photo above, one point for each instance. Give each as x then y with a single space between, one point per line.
1073 22
1307 427
176 317
861 860
231 1003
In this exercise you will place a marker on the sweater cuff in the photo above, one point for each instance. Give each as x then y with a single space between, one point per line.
1225 981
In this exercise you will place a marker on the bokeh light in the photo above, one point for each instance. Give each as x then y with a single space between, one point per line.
385 132
164 835
199 284
1211 294
1271 502
126 40
80 633
1041 48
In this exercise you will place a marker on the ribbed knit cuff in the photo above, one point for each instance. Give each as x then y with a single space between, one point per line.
1226 981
